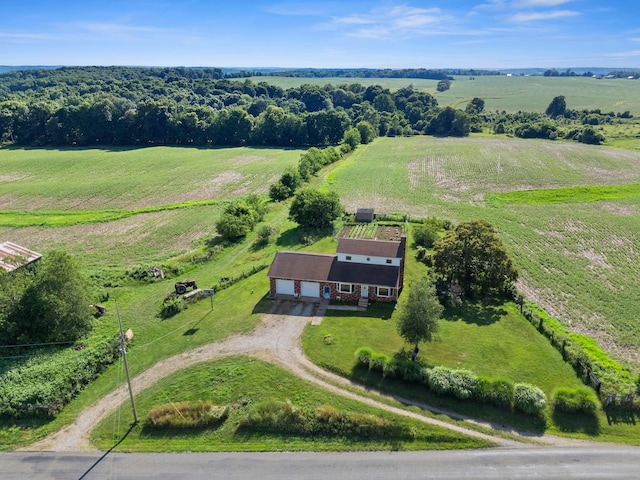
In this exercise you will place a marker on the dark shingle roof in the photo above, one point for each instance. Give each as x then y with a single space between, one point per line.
372 248
319 267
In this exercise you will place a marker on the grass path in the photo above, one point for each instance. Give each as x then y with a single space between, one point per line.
276 340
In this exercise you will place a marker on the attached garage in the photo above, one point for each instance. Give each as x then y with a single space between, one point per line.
284 287
310 289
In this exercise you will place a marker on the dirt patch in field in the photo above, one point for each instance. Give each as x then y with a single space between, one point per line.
625 210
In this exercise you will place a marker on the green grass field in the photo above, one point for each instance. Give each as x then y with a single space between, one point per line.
89 186
512 94
578 260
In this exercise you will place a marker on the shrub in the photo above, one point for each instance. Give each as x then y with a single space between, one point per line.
187 415
412 372
363 356
528 399
463 384
498 392
274 416
390 369
171 307
264 234
575 400
378 361
440 380
425 235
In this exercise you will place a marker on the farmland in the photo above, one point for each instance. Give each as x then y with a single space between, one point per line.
577 259
511 94
124 200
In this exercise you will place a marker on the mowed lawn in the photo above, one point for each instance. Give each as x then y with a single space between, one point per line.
578 260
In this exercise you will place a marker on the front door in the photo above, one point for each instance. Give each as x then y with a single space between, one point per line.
326 292
364 291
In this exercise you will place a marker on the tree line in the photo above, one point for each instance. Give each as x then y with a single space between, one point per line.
184 106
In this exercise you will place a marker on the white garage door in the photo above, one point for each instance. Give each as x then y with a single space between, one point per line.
310 289
284 287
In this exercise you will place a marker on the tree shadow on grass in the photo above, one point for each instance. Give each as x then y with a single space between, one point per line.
474 313
302 236
577 423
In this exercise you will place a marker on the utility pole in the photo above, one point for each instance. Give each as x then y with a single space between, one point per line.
123 351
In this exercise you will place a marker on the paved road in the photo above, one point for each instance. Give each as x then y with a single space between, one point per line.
608 463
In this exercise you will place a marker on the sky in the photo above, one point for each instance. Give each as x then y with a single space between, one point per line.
491 34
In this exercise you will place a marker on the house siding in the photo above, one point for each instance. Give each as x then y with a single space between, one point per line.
335 294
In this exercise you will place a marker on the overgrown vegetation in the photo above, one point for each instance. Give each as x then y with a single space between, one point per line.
181 415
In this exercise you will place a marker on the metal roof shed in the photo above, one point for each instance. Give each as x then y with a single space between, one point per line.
13 256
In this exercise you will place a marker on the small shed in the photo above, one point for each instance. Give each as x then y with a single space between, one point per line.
13 256
364 215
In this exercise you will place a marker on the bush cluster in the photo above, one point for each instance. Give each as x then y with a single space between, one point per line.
47 381
575 400
179 415
282 417
459 383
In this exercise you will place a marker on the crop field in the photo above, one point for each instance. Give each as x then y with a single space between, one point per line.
125 207
579 260
512 94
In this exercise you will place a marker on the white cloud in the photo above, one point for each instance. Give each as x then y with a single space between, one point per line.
629 54
397 21
535 16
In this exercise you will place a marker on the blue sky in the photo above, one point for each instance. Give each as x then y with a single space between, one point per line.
323 34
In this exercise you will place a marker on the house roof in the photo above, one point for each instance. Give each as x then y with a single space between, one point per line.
301 266
371 248
13 256
326 268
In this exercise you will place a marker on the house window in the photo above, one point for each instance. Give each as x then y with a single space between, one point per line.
345 288
348 257
389 260
383 291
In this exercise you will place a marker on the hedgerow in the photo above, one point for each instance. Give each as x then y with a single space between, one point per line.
47 381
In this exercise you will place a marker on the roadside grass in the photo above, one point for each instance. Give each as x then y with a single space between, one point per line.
579 261
242 383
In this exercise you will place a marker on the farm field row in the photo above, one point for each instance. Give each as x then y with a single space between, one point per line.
578 260
130 178
511 94
84 182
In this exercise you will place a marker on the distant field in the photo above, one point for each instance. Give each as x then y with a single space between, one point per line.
511 94
73 180
579 260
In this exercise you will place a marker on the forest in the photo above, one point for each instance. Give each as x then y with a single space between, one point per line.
201 106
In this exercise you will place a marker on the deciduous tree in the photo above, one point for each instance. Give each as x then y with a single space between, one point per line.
418 319
473 257
315 209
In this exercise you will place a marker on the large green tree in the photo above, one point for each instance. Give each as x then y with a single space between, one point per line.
418 319
55 306
557 107
315 209
473 257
